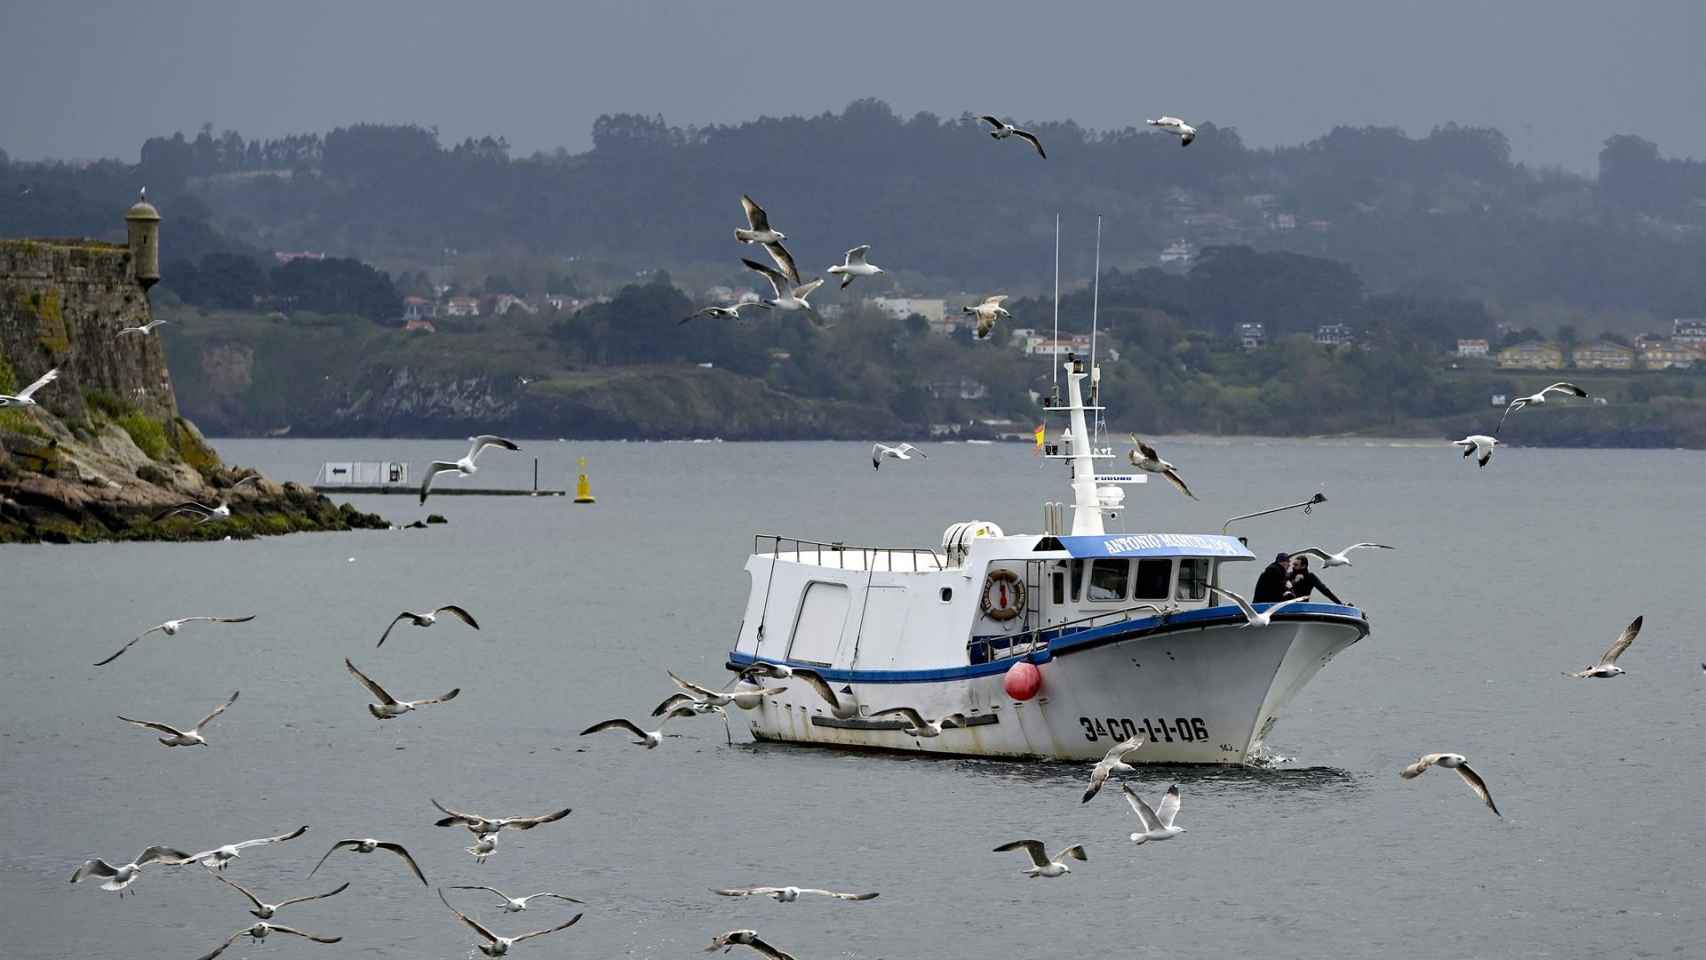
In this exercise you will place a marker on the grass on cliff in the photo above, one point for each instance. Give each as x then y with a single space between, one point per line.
147 433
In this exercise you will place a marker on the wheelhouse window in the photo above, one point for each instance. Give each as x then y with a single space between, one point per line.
1153 579
1059 587
1193 578
1108 580
1077 580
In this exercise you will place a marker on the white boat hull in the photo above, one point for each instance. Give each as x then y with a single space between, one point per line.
1202 688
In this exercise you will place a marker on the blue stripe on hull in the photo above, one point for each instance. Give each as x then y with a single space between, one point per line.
1060 645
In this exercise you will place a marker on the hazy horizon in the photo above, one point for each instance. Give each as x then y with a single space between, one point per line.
1556 78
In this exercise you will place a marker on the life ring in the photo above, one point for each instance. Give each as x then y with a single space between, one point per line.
1003 596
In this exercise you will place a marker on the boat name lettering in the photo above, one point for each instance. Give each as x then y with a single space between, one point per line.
1159 729
1154 541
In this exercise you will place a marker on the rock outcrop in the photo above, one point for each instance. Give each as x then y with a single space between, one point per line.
105 452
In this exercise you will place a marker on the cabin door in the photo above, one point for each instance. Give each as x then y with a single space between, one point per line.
882 629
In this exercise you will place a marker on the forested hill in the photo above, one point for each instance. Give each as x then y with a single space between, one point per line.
1447 214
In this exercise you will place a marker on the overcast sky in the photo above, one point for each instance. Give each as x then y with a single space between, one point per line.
90 79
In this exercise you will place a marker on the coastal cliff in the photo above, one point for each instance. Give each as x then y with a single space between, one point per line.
106 451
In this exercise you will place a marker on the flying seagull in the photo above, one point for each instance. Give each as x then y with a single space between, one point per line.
790 293
24 397
1251 617
265 911
496 946
757 229
917 726
1607 665
464 467
1113 762
170 628
1452 761
1003 130
388 706
143 329
368 845
1178 128
1158 823
903 451
117 878
1520 402
987 313
842 704
260 931
764 668
730 312
518 904
1144 458
480 826
790 894
747 698
746 938
220 511
484 846
220 857
428 619
854 265
648 738
1340 559
1477 445
1042 865
184 738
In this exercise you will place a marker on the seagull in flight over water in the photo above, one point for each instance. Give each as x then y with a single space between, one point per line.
1157 823
648 738
1452 761
1477 443
480 826
120 877
390 707
220 857
842 704
428 619
1569 389
518 904
790 894
1003 130
917 726
265 911
1251 617
1042 866
184 738
1340 559
1144 458
1178 128
464 467
23 398
368 845
170 628
1607 665
1113 762
260 931
903 451
746 938
496 946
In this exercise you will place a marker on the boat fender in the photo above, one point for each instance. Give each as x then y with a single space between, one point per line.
1023 680
1003 596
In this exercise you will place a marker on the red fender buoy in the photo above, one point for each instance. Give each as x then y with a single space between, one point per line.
1023 680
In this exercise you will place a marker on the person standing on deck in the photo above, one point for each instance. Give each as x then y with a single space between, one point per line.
1304 581
1275 579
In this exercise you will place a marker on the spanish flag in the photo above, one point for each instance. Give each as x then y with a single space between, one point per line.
1041 432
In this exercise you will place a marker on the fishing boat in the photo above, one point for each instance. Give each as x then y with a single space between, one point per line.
1050 645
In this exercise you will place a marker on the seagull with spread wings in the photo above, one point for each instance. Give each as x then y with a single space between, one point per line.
1342 558
480 826
1111 763
1477 445
843 705
899 451
170 628
730 312
790 894
259 932
496 946
518 904
1251 617
390 707
746 938
265 911
203 512
917 725
142 329
1157 823
1561 387
1178 128
790 293
220 857
1002 130
183 738
119 877
1607 665
855 265
368 845
24 397
1041 864
1452 761
464 467
647 738
987 313
1144 457
742 697
428 619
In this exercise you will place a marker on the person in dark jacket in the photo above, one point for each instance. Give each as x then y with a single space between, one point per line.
1304 581
1275 579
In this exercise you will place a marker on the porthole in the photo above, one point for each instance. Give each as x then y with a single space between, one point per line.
947 594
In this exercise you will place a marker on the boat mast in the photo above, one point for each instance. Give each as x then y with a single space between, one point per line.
1054 367
1086 510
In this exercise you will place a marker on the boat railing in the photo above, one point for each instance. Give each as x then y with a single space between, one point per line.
774 546
985 649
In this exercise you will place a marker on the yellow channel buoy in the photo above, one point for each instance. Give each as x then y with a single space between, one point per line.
583 486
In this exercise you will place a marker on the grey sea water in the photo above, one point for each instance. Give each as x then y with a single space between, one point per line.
1504 577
